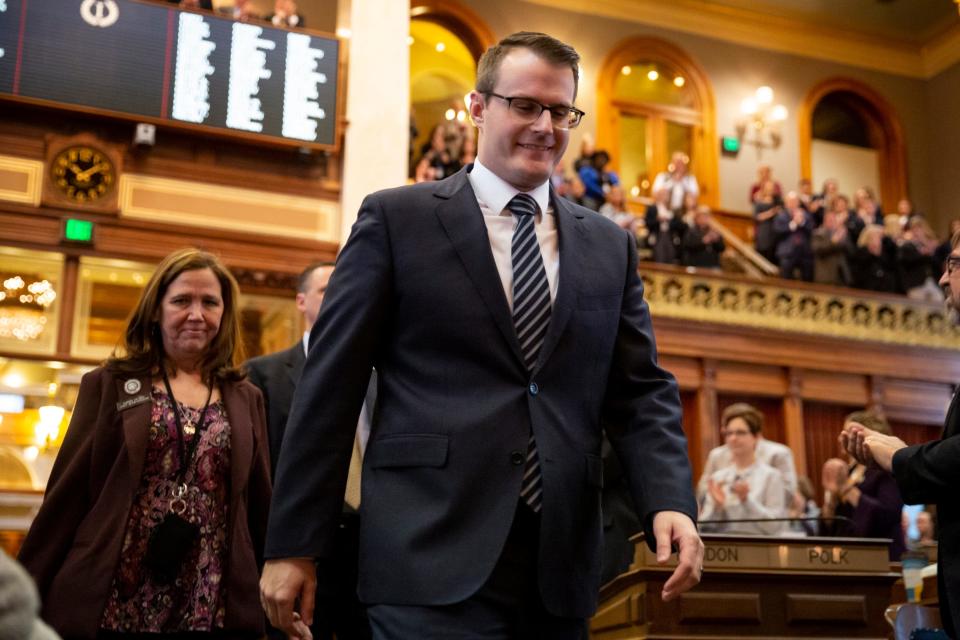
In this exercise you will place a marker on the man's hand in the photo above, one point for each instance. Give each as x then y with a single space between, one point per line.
673 527
284 581
869 446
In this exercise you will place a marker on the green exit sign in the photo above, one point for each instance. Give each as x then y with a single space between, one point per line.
730 145
78 230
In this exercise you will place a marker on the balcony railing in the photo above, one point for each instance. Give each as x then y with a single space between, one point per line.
796 307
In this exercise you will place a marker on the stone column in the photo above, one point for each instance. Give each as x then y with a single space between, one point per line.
378 101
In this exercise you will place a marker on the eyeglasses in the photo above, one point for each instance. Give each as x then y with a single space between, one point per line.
529 111
953 262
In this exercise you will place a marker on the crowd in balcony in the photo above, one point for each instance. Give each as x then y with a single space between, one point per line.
450 146
285 12
675 229
824 237
829 238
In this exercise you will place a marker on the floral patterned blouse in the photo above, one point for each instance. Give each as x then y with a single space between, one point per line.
194 601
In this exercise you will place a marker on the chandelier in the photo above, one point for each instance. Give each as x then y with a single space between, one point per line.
761 118
23 307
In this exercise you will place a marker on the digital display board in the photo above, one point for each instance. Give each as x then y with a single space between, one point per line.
156 63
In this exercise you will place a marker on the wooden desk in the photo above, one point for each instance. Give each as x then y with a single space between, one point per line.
755 587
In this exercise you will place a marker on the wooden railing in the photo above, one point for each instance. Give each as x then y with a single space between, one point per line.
796 307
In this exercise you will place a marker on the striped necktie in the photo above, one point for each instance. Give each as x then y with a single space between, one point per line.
531 316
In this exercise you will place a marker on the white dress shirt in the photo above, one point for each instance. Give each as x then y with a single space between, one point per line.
678 188
493 194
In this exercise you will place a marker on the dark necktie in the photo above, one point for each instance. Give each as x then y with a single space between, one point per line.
531 316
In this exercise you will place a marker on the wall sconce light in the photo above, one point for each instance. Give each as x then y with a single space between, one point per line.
760 121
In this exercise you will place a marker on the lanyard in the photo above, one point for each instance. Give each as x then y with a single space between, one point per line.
186 455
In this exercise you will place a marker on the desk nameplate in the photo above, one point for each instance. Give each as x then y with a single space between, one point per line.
834 555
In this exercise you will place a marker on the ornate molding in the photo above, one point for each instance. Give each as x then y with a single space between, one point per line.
790 35
20 180
265 279
206 205
771 306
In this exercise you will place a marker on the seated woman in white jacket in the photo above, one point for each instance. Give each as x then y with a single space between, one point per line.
747 489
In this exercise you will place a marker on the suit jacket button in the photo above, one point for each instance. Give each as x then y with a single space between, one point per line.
516 457
534 389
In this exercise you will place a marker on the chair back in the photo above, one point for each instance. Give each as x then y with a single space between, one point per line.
914 617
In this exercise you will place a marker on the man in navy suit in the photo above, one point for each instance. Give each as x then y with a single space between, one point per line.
509 331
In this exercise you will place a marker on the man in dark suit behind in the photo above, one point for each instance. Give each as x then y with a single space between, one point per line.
277 375
509 330
927 473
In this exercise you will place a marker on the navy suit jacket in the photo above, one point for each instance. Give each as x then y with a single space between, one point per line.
416 294
276 375
930 473
793 243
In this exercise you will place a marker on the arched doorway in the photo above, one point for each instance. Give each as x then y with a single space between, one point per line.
653 99
446 41
843 117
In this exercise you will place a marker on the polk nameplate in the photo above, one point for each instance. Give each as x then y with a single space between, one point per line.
791 554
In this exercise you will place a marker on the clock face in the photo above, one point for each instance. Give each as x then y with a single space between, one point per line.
82 174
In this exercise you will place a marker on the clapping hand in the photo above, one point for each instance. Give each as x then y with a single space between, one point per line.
741 488
834 475
870 447
716 492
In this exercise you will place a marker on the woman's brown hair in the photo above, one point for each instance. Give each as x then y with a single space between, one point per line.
748 413
140 352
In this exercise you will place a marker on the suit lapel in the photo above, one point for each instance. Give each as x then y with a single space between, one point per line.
136 423
295 361
463 221
570 231
950 424
241 436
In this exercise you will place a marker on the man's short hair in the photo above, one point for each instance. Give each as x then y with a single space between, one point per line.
547 47
955 241
304 276
870 420
747 412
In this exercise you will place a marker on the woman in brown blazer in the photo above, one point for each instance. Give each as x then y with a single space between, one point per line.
155 511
